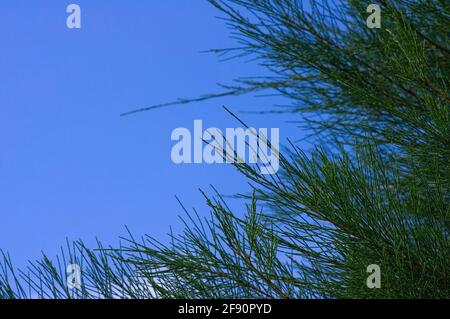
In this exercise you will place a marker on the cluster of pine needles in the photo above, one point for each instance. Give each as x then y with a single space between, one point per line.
375 190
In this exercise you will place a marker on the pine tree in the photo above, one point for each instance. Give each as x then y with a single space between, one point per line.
373 195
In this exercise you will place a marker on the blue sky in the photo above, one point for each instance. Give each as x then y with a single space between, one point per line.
70 166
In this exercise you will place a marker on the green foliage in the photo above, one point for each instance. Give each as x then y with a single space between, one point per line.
376 192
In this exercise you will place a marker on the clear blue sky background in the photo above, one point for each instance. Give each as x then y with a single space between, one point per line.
70 166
